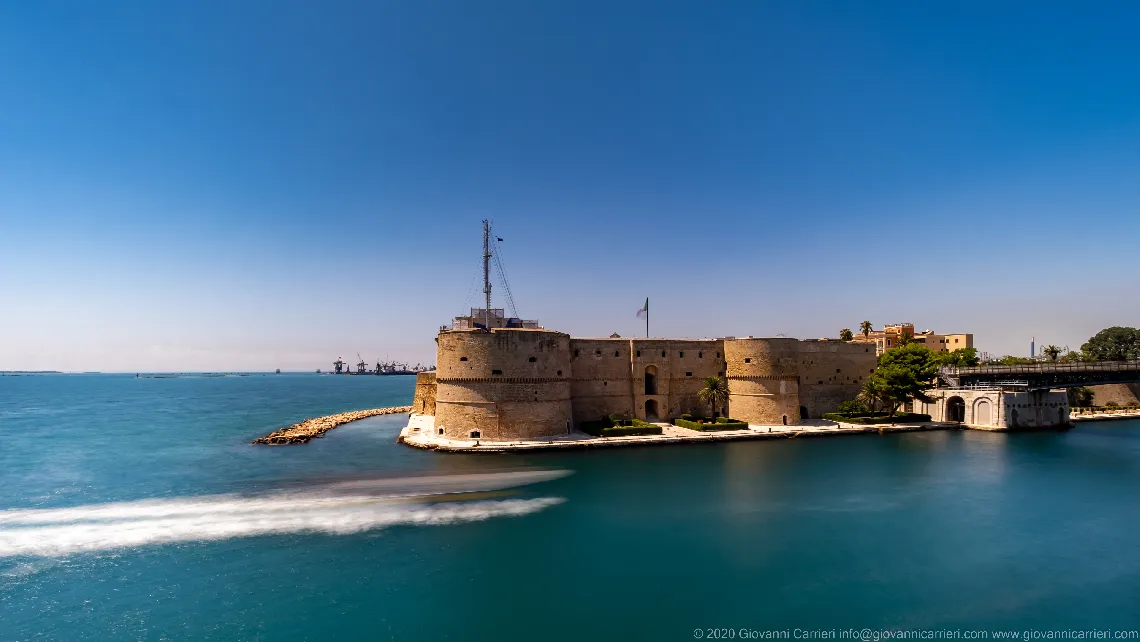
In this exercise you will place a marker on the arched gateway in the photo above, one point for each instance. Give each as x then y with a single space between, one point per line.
956 409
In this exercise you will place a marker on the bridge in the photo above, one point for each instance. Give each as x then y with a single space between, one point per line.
1043 376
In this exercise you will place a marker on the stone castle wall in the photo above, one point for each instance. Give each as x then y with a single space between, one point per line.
424 401
763 380
1122 394
832 372
525 383
503 384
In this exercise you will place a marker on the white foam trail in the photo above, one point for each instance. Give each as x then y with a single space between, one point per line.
333 510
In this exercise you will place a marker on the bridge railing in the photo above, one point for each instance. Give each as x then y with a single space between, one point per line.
1052 367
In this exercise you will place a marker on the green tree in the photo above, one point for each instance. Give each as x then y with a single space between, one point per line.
905 374
1081 397
714 390
1052 351
865 328
846 335
905 337
1117 343
1010 360
1072 355
960 358
871 394
852 407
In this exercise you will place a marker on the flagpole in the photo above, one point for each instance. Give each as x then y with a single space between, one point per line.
647 318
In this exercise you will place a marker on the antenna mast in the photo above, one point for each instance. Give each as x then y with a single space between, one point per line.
487 271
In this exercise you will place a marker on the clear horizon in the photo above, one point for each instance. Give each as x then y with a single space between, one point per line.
210 187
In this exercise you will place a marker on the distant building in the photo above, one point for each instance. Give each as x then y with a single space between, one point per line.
889 336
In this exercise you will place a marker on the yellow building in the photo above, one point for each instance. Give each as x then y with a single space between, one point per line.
890 335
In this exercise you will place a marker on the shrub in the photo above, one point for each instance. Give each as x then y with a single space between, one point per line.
876 418
594 428
629 431
613 426
704 425
852 406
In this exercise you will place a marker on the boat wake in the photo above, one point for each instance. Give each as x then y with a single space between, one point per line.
338 509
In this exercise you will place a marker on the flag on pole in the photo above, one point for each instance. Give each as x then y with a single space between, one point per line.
644 310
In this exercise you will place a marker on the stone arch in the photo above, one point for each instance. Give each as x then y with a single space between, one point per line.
956 409
650 380
651 413
983 412
803 412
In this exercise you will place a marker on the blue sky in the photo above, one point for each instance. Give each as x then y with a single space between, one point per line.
252 185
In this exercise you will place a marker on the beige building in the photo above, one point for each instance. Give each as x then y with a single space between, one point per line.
997 408
520 383
889 336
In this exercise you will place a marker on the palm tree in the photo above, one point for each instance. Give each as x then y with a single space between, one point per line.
865 328
846 335
871 393
1051 351
714 390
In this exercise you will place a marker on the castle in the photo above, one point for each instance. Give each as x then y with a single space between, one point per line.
508 383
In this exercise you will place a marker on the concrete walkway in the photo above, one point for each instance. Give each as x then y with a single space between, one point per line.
1100 416
420 433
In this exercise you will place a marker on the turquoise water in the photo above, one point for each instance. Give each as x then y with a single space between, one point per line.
946 530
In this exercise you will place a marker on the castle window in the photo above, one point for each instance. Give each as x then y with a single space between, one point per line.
463 358
700 355
575 353
681 354
616 353
688 374
559 373
720 374
597 353
837 369
639 353
663 353
441 431
475 434
494 372
748 360
532 361
605 383
718 355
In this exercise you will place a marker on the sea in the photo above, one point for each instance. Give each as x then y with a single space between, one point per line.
137 509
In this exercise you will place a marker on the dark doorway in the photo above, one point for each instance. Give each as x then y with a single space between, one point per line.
651 410
803 412
651 380
956 409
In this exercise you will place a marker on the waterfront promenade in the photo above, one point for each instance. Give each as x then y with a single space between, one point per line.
419 433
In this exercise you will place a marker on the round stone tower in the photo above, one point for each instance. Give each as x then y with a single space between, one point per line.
508 383
763 380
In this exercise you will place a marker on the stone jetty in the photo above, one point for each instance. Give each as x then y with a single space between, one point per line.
302 432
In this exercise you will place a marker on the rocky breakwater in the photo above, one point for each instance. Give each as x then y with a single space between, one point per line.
302 432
